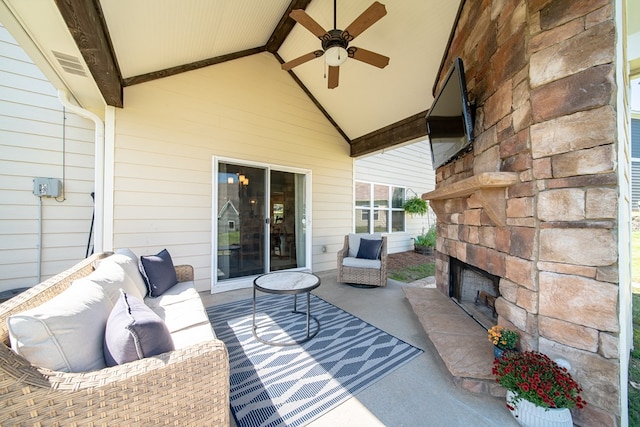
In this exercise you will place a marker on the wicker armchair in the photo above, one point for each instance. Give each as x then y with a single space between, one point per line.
186 387
376 276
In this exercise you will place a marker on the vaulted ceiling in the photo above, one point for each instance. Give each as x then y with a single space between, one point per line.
123 43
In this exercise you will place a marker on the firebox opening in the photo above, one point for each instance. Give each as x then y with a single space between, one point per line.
475 291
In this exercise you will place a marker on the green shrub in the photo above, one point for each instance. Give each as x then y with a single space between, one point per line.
426 239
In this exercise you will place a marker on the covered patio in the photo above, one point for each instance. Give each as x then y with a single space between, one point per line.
539 202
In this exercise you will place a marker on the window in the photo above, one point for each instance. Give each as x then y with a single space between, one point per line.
378 208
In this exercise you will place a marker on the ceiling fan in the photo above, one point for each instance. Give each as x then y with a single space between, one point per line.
335 43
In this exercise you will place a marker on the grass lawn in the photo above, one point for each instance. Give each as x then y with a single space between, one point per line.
635 256
634 363
634 366
414 272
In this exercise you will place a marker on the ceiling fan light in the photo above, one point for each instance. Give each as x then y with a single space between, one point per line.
335 56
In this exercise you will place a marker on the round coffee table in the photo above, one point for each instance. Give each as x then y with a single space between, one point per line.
287 283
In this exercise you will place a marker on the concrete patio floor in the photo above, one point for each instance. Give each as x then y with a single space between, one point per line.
420 393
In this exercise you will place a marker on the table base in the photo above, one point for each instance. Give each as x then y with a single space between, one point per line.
295 311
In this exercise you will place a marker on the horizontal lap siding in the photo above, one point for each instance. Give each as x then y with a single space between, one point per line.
408 166
247 109
31 145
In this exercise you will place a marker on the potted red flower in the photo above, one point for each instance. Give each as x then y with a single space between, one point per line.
503 339
534 382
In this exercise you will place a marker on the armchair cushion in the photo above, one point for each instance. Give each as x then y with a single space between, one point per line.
361 263
134 332
159 272
369 249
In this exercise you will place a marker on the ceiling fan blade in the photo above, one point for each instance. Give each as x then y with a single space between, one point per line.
301 17
302 59
334 73
365 20
368 57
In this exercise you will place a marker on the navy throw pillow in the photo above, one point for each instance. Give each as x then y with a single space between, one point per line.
369 249
134 332
159 273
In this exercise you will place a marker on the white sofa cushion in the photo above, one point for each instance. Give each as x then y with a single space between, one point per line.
195 334
112 275
361 262
132 267
182 310
354 241
65 333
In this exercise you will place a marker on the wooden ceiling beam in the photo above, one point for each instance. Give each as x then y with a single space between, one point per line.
285 26
87 27
154 75
389 136
314 100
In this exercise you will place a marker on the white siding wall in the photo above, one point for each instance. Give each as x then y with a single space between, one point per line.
248 109
31 145
408 166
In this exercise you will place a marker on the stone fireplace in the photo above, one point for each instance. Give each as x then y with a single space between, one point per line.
535 204
475 291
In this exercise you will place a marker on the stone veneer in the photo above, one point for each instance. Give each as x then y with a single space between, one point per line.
541 73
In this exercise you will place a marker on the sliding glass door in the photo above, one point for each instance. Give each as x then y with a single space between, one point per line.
261 224
287 231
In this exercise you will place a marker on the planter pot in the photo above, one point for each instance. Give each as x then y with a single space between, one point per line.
424 250
498 352
528 414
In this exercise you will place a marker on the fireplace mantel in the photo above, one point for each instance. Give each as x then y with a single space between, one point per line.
489 189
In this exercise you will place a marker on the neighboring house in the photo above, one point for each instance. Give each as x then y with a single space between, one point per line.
229 216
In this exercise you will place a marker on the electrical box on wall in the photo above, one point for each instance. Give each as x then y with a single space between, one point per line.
46 187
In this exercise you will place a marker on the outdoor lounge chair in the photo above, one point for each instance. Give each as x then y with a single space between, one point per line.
359 263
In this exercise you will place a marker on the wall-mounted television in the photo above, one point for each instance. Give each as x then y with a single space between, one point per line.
450 118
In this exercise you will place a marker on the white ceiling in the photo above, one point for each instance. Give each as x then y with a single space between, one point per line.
413 35
152 35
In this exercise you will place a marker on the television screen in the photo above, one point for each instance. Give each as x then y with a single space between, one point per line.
450 118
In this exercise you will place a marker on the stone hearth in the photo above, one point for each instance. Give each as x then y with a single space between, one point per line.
461 342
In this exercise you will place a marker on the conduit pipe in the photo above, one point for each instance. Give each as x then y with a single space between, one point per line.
98 239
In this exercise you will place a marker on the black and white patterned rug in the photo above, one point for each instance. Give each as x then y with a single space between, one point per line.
291 386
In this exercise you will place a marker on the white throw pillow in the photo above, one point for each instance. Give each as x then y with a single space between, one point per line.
113 273
65 333
132 266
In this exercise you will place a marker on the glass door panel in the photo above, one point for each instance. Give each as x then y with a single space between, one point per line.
241 221
287 229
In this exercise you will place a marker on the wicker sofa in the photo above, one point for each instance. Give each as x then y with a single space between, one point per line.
357 271
186 386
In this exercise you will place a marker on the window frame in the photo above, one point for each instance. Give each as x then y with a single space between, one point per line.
373 209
